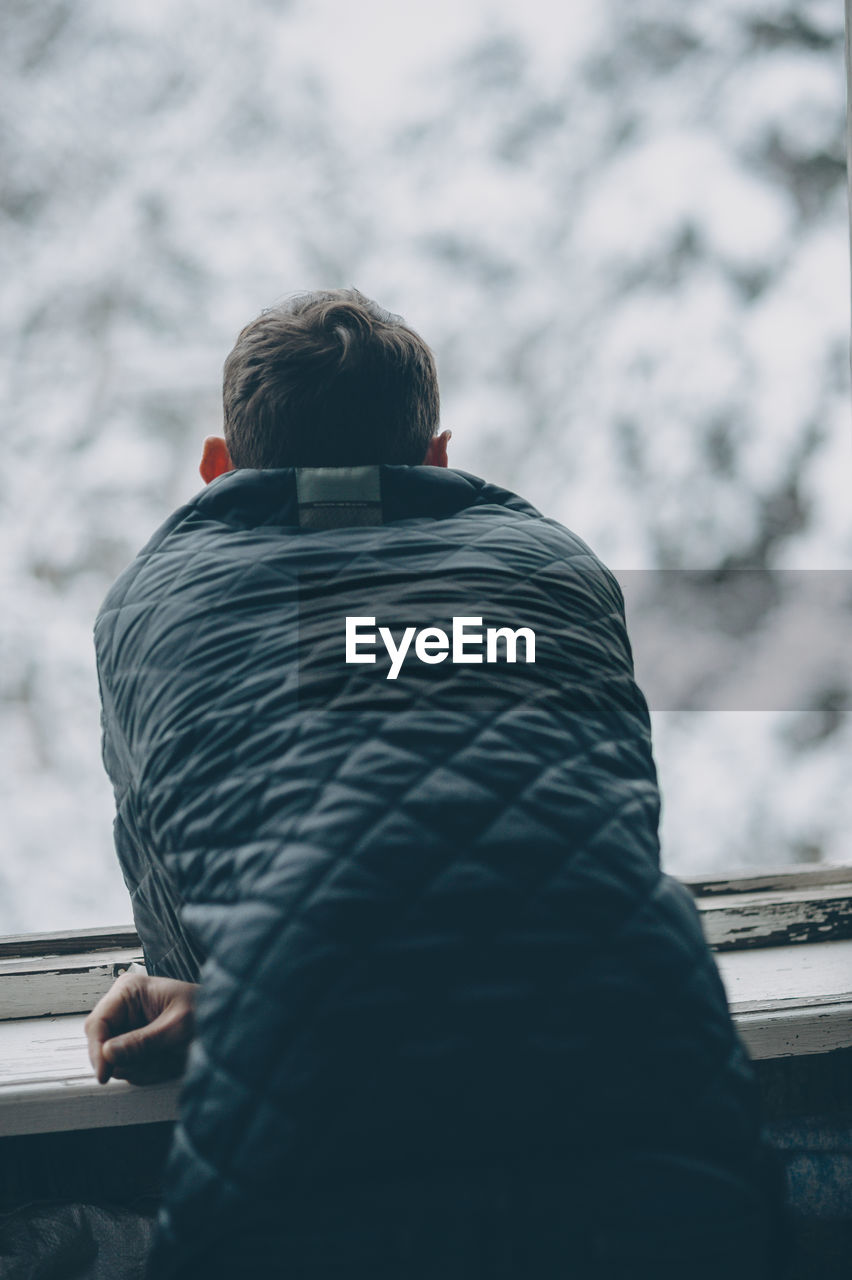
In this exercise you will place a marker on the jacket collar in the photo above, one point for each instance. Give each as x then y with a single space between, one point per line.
334 497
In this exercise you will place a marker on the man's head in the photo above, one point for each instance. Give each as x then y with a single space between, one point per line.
328 379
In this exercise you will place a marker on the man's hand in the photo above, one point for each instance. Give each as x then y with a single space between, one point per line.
141 1029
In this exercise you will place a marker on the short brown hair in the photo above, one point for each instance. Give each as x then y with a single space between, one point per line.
329 379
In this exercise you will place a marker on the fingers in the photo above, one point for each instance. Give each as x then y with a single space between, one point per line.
118 1009
97 1032
163 1033
141 1030
155 1052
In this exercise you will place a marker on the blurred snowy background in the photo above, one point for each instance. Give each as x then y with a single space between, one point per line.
622 225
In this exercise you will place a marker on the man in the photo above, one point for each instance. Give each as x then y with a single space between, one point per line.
384 785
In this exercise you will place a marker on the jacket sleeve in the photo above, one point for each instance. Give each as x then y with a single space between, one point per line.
169 949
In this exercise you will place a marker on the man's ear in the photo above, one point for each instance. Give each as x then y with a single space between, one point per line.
436 454
215 459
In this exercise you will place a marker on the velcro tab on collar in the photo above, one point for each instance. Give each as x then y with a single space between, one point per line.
337 497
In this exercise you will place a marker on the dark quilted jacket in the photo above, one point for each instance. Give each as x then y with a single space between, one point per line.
432 931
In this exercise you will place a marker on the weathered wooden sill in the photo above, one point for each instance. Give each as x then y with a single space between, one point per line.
786 1002
47 1084
783 943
